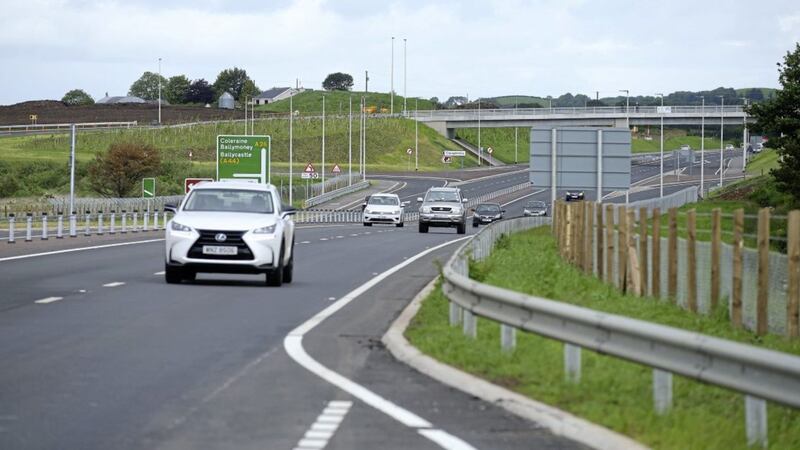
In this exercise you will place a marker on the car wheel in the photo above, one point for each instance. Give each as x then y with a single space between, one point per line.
366 224
288 270
474 224
461 228
172 275
275 276
189 275
423 227
400 225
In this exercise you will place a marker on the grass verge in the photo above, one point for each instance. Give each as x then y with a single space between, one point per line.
614 393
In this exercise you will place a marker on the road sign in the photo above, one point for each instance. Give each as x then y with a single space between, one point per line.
188 183
490 150
336 169
664 109
309 168
452 153
409 151
447 159
244 158
148 188
309 175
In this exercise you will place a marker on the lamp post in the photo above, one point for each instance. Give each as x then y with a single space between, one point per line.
159 91
323 145
480 149
744 136
291 156
721 136
661 158
405 78
627 107
391 82
416 135
702 143
350 142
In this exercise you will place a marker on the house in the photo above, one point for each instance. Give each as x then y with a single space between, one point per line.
120 99
275 94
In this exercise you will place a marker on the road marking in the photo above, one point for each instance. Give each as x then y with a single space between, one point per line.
159 273
70 250
293 344
114 284
47 300
323 239
339 237
306 242
354 235
323 429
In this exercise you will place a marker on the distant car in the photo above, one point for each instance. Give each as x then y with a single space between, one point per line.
486 213
230 227
443 207
384 208
574 195
729 147
758 148
686 147
535 208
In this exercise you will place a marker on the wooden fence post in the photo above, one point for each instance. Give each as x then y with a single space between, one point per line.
736 289
580 228
672 255
632 285
716 254
691 267
609 243
622 247
763 271
643 251
588 235
793 295
655 267
600 235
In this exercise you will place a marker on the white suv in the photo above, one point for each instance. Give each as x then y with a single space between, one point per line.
384 208
230 227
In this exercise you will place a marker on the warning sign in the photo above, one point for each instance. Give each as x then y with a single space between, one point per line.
309 168
336 169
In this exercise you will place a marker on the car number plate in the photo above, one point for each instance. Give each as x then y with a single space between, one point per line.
219 250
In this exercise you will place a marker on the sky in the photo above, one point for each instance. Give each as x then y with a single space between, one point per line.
454 47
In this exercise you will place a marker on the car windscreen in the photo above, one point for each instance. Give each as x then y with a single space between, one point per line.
535 204
230 200
442 196
383 200
487 209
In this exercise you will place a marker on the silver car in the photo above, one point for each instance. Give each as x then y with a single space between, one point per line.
443 207
535 208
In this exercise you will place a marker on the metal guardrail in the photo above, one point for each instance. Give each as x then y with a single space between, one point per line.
65 126
756 372
319 199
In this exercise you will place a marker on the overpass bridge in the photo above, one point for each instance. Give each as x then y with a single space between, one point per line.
448 120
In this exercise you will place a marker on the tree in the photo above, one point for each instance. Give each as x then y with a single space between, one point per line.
250 90
338 82
176 89
779 118
200 92
146 86
77 97
231 80
119 171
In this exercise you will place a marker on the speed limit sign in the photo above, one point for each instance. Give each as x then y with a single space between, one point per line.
409 151
490 150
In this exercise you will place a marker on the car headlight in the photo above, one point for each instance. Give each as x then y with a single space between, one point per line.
397 211
180 227
425 210
270 229
457 210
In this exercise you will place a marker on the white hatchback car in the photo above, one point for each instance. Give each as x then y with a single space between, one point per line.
230 227
384 208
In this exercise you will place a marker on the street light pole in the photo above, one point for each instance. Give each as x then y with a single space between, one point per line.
416 135
291 156
405 78
480 149
159 91
721 137
391 86
350 143
744 136
627 107
323 144
702 144
661 158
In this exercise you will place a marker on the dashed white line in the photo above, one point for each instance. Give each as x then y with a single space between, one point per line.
339 237
159 273
306 242
323 429
114 284
323 239
47 300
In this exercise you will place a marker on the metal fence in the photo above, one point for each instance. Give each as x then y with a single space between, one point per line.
614 111
758 373
337 192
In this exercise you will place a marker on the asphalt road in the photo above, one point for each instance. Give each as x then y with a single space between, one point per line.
99 352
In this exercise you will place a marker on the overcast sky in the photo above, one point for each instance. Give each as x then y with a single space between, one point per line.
455 47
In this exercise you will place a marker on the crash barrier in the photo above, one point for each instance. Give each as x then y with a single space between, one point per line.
761 375
322 198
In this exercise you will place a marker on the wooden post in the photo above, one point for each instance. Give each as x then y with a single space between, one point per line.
763 271
588 234
793 295
736 289
691 267
567 230
672 255
632 285
622 250
716 254
580 228
600 234
609 243
655 267
643 250
554 212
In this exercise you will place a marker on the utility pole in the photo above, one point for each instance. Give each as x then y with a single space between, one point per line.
661 158
159 91
416 135
364 137
480 149
323 144
391 78
291 156
405 78
366 81
72 170
350 142
721 136
744 137
702 144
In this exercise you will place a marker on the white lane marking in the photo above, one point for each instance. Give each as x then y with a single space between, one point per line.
330 299
306 242
339 237
70 250
354 235
323 429
82 291
323 239
114 284
159 273
47 300
293 344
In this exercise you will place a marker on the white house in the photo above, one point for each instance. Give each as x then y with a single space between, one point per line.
275 94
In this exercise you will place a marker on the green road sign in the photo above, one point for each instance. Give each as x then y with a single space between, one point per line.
148 188
243 158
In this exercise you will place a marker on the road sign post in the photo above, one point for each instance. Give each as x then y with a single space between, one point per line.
244 158
148 188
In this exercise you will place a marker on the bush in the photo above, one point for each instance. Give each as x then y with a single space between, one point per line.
118 172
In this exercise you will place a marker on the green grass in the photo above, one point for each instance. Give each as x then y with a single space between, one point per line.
763 162
673 142
612 392
336 103
501 140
